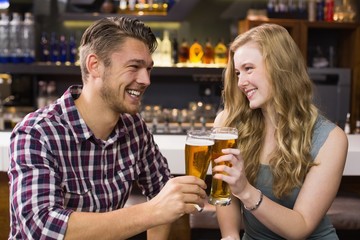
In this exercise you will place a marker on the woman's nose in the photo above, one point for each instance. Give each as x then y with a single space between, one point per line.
242 81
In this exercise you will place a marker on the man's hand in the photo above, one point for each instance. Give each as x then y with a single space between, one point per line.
178 197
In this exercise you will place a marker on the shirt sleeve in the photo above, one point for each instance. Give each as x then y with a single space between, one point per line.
322 129
36 198
155 170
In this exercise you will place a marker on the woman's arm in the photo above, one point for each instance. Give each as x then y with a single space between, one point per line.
315 198
229 219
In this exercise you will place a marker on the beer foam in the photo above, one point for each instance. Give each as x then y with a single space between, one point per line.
225 136
199 142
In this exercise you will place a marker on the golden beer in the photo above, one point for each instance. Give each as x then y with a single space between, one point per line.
220 190
197 156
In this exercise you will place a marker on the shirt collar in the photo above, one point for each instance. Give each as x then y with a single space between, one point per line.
77 124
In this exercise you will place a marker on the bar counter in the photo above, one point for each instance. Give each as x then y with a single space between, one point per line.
172 147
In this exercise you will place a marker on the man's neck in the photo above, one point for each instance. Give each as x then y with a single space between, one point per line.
99 120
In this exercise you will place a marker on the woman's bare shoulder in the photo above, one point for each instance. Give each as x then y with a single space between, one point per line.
338 137
335 146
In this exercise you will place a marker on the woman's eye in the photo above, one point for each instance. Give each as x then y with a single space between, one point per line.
248 68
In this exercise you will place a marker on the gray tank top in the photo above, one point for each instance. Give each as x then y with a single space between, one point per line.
254 229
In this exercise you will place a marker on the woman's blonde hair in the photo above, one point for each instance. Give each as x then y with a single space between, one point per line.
294 112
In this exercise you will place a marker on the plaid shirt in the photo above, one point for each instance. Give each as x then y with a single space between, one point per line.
58 166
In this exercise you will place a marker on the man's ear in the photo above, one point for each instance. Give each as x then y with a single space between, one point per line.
92 64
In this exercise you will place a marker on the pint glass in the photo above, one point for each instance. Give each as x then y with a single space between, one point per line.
225 137
198 153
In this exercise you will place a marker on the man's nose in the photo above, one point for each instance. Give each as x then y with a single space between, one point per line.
144 78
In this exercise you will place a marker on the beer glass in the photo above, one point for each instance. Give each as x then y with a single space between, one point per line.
224 137
198 154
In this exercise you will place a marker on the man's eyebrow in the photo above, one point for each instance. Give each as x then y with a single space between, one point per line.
140 62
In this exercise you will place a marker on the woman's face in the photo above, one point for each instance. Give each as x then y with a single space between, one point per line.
252 75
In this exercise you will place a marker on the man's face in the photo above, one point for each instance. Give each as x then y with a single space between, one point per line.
126 80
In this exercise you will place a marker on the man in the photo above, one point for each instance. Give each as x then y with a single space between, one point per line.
73 162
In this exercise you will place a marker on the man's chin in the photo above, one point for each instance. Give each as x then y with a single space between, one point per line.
133 110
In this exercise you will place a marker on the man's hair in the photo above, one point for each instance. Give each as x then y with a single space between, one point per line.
106 35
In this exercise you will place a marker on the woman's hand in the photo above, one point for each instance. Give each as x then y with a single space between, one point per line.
235 175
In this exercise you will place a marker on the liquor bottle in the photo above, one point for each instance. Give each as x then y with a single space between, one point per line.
320 4
301 7
357 127
131 5
311 10
122 5
15 41
140 5
107 6
41 100
196 52
150 4
184 51
28 35
44 48
175 51
344 12
63 49
54 48
271 6
329 11
72 49
208 57
51 95
347 129
166 49
157 54
283 7
291 6
220 53
4 38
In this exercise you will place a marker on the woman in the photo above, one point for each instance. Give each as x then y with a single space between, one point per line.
288 166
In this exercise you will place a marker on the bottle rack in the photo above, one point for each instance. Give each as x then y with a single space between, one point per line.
41 68
178 12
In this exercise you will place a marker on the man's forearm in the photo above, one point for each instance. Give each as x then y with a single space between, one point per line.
118 224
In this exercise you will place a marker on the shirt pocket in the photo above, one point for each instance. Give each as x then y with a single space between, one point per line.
123 182
77 193
124 179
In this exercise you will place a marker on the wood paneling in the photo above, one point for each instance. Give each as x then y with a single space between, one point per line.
4 206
